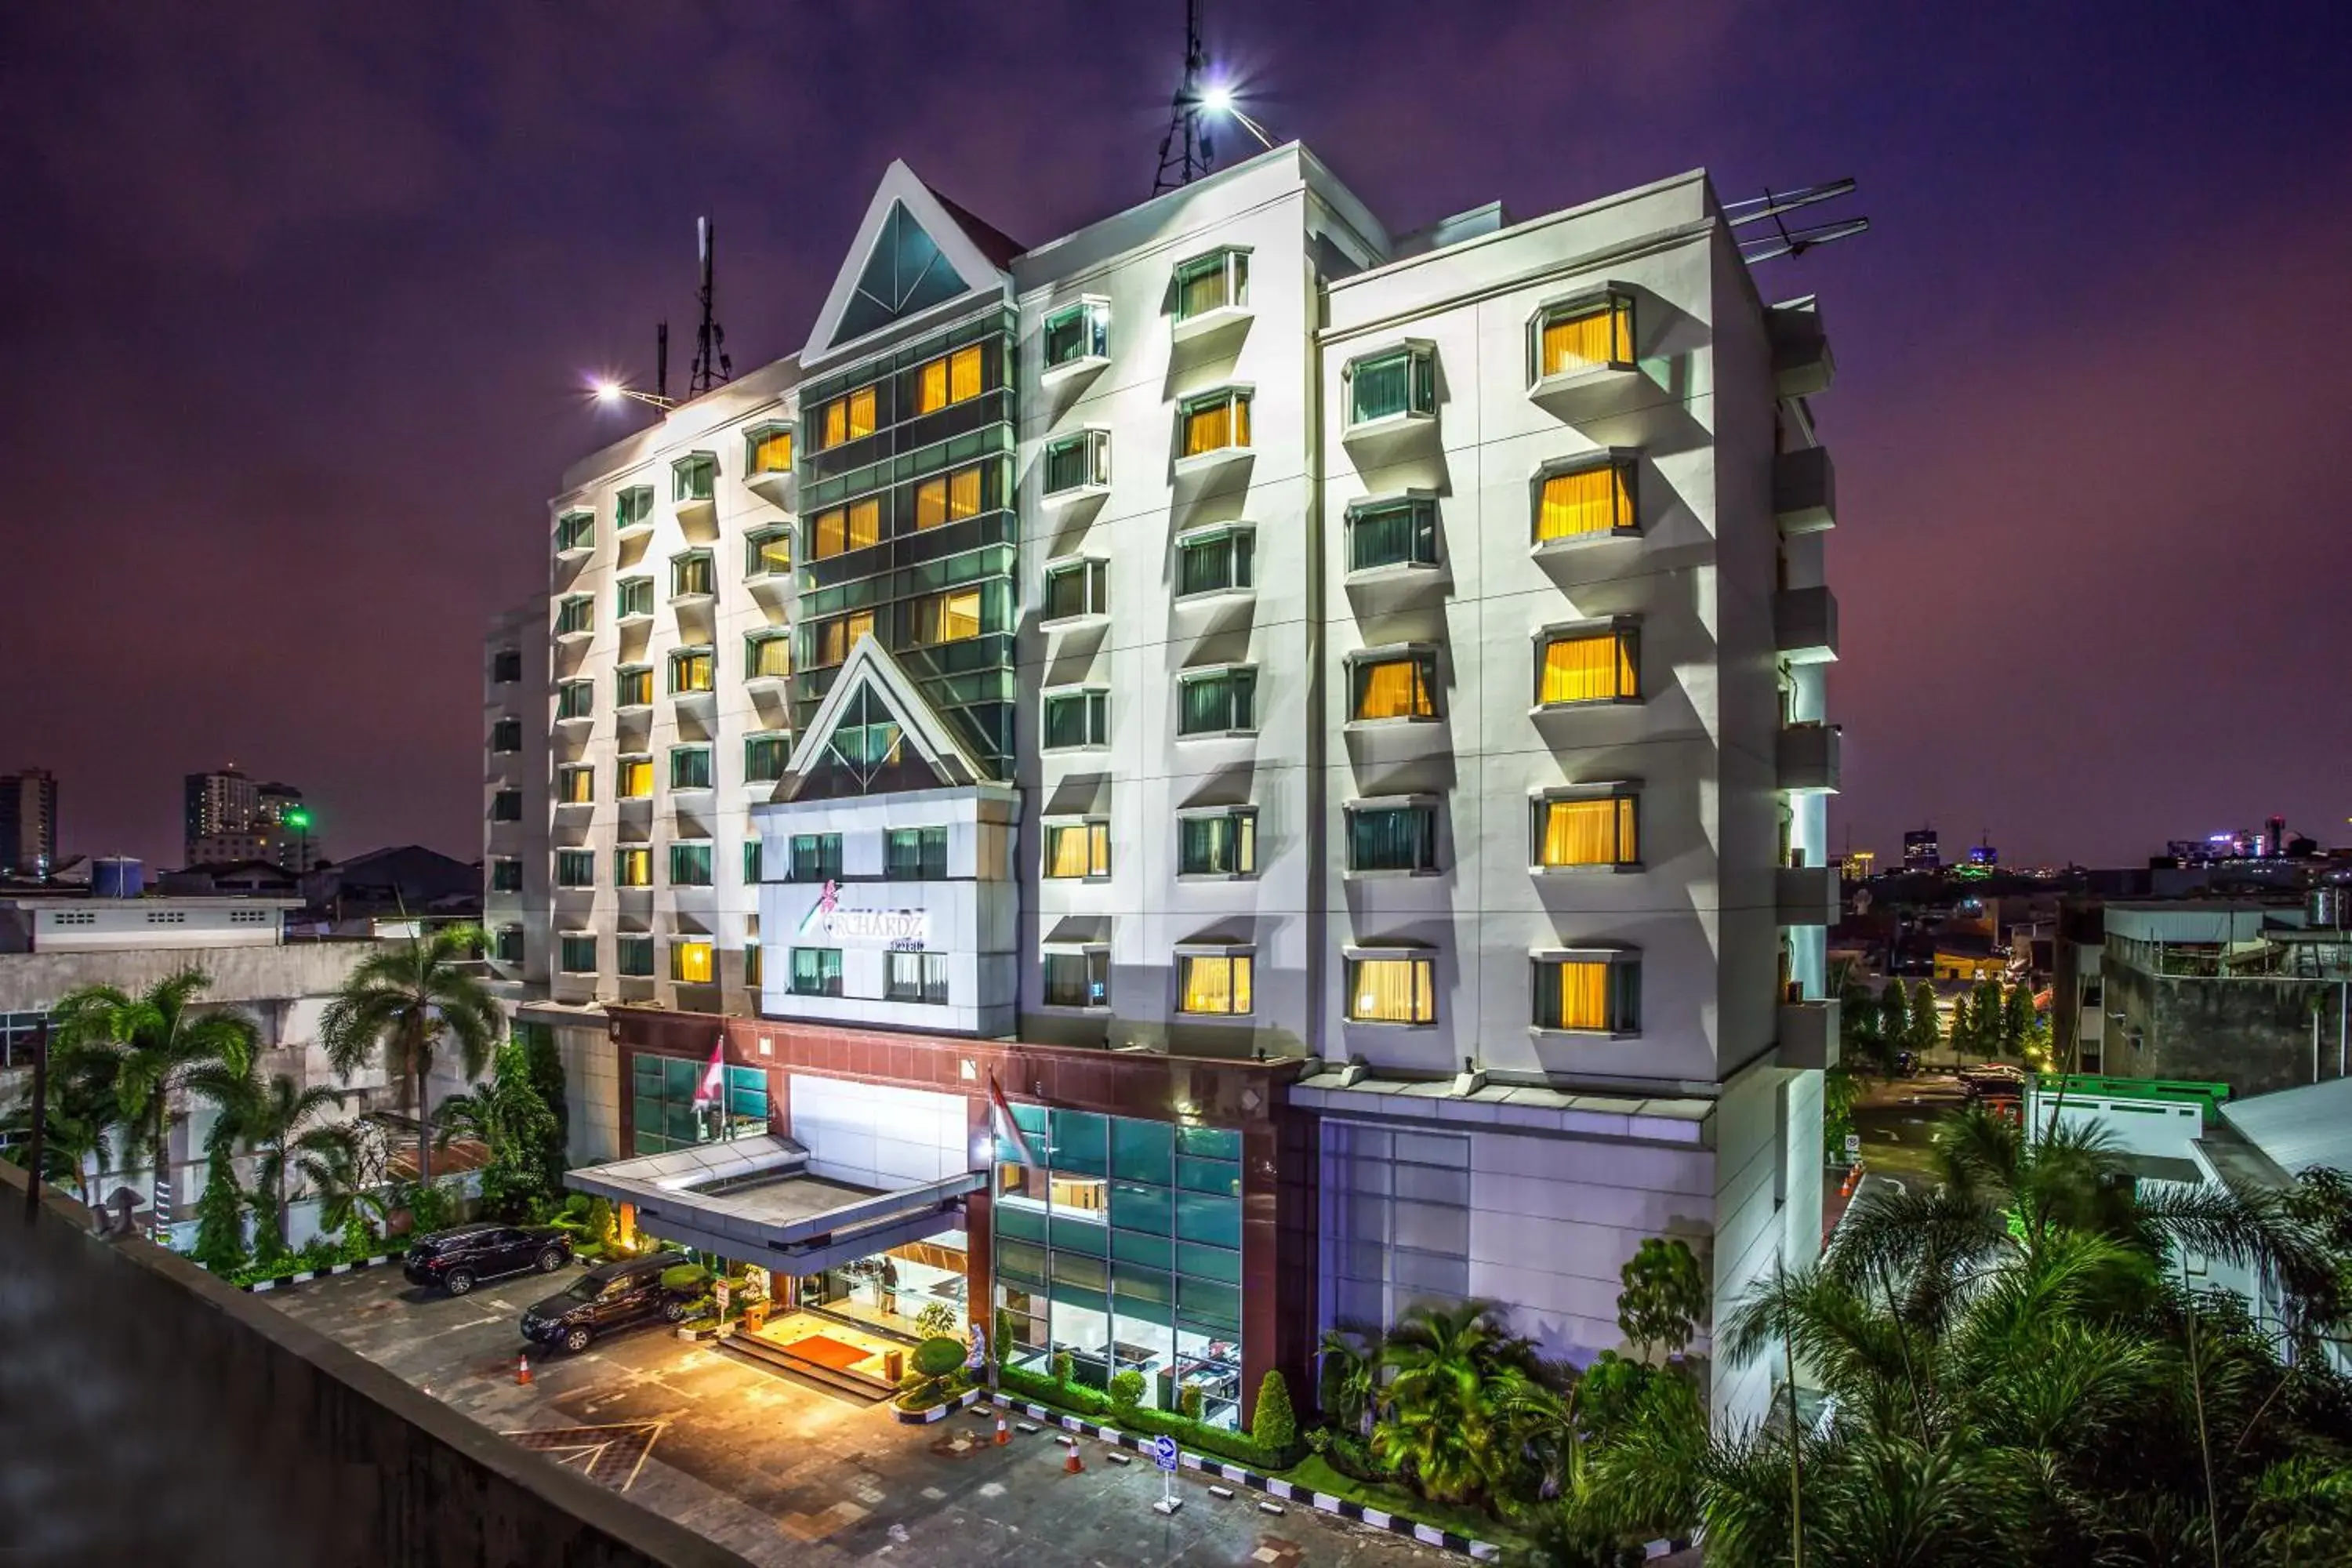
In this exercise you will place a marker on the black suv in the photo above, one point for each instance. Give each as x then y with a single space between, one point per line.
455 1258
612 1295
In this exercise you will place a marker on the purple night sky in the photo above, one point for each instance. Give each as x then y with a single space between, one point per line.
299 297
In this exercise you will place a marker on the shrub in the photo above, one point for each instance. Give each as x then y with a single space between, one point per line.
939 1356
360 1241
685 1277
603 1229
1274 1425
1238 1446
1126 1391
321 1253
1188 1401
1064 1367
936 1320
428 1206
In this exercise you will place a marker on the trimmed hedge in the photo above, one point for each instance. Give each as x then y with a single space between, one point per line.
1238 1446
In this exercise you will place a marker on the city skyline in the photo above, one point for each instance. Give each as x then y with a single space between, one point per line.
2025 530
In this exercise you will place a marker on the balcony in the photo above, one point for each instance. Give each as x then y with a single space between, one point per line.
1806 895
1808 760
1802 362
1809 1034
1804 491
1805 624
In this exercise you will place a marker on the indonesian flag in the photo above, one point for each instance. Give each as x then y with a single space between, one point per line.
713 1086
1013 1129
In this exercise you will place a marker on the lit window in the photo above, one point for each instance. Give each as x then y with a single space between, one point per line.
1585 502
1588 666
915 977
633 866
831 640
1077 848
1077 462
1213 983
816 971
506 735
1076 333
1220 844
634 957
1074 718
1401 533
949 497
506 806
576 954
953 378
694 477
506 875
1218 702
1601 995
632 686
842 529
1391 990
1386 387
575 700
816 858
575 614
944 618
1078 979
575 785
1078 587
765 757
768 554
633 509
1392 837
575 531
690 767
636 599
846 418
768 450
767 656
692 669
1393 686
575 868
1216 561
634 777
689 865
915 853
1215 423
1596 830
1217 281
692 575
691 961
1584 336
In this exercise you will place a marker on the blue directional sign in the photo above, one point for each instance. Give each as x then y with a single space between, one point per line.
1163 1452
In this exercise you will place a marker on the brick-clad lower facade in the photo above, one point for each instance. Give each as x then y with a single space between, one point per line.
1280 1154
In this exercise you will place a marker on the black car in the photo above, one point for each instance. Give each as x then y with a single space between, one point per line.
457 1258
609 1296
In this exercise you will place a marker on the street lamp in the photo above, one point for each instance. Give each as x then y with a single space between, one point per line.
612 392
1220 100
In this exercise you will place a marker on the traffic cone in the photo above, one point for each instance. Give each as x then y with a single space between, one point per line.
1003 1435
522 1367
1073 1464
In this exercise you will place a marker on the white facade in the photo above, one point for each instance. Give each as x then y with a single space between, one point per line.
515 909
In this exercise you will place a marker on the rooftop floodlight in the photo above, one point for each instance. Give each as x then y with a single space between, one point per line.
611 392
1219 100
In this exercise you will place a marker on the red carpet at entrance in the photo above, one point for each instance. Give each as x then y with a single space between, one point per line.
828 1352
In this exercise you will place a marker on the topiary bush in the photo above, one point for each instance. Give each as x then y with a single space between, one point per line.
1188 1401
939 1356
1274 1425
1065 1365
1126 1391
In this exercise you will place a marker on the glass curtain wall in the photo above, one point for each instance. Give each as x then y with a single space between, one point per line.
1118 1244
665 1116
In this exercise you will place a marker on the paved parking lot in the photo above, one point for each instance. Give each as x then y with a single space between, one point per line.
783 1472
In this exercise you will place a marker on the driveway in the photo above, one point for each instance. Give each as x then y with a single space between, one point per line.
783 1472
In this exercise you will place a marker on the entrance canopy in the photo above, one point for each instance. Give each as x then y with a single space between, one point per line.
752 1199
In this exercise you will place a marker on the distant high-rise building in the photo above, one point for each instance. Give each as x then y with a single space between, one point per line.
228 817
1983 854
1860 865
1922 850
28 822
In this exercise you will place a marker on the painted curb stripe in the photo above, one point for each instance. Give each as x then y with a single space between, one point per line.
282 1281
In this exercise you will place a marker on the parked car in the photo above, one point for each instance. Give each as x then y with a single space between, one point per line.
459 1259
612 1295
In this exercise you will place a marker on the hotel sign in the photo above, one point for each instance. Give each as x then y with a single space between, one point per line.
850 926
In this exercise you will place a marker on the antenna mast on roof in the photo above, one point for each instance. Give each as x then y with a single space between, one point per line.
661 359
1185 150
711 364
1780 239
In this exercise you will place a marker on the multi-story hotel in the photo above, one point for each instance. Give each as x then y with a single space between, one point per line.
1210 777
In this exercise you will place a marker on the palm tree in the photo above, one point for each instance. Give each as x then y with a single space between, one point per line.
1350 1378
505 1114
83 1126
1449 1368
348 1177
144 1048
279 1123
404 1002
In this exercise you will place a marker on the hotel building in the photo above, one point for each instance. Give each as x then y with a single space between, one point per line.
1214 777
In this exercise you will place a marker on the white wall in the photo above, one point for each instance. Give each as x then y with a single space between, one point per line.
872 1135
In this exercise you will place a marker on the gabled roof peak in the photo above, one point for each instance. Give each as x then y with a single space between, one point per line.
914 250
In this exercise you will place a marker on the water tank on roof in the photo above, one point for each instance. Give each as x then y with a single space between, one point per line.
117 876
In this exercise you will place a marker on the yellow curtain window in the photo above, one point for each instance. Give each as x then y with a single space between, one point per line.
637 777
1589 669
637 687
1216 985
864 522
1213 426
633 867
932 387
1393 991
830 535
1070 856
772 656
963 492
1592 500
834 424
861 412
690 961
579 786
1589 832
775 554
1583 995
694 672
959 616
1600 337
930 503
1393 689
773 453
963 374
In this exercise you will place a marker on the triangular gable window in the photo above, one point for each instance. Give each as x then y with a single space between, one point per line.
904 273
867 753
